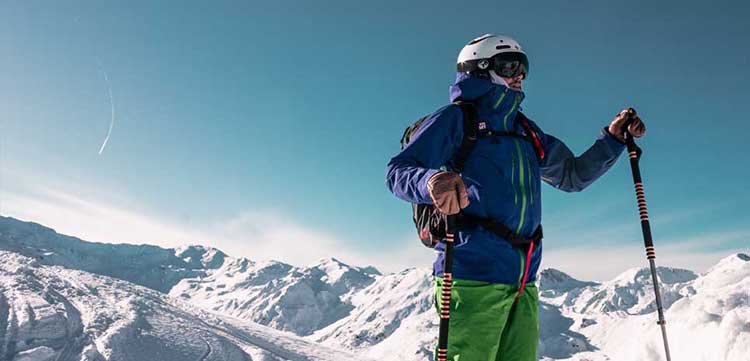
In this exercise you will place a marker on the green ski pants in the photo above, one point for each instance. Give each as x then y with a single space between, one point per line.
487 325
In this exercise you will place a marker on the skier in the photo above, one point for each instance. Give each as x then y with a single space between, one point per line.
494 302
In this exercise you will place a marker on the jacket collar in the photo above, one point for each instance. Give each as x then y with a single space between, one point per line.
494 101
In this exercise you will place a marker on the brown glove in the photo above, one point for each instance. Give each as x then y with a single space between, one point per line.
448 192
637 128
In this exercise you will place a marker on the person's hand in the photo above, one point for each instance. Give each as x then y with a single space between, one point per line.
636 128
448 192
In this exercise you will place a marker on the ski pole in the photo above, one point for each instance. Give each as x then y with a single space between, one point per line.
445 294
635 156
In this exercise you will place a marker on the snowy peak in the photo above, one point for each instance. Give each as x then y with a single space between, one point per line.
197 256
728 271
372 271
341 277
737 261
642 276
631 293
333 261
553 283
151 266
333 268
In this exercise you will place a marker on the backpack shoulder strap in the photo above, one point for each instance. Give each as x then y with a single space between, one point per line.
409 132
469 140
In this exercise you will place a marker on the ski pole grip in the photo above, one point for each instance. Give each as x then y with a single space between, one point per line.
628 121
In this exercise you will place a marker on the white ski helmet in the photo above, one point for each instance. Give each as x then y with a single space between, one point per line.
493 52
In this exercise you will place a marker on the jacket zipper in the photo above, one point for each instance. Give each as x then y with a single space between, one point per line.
512 108
500 100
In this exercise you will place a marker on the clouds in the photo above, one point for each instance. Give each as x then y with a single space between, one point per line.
603 249
604 262
271 235
91 220
258 234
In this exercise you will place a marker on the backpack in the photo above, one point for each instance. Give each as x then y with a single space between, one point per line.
430 223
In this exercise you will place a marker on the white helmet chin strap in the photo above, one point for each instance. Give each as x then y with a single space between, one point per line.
497 79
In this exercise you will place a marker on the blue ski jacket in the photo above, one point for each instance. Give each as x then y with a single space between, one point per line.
502 176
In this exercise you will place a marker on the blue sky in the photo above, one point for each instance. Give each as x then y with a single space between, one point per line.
264 129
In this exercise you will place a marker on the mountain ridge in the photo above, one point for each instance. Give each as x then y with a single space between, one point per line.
359 311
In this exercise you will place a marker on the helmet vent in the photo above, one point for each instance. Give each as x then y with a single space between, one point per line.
499 47
480 39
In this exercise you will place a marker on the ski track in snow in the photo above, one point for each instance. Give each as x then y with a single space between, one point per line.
208 349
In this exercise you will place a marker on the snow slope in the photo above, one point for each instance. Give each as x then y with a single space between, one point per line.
708 320
392 319
53 313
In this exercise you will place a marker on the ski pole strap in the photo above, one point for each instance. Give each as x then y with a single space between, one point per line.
525 270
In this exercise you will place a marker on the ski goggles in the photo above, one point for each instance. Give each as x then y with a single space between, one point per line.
507 65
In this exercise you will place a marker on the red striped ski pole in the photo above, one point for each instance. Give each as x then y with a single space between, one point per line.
445 294
634 152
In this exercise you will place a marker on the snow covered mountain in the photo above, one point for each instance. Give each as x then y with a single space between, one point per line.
630 293
708 320
300 300
553 283
394 318
288 298
150 266
53 313
62 299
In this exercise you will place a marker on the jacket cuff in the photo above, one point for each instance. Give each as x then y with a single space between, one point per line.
424 193
611 140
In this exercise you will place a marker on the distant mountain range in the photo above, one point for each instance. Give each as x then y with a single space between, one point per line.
62 298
